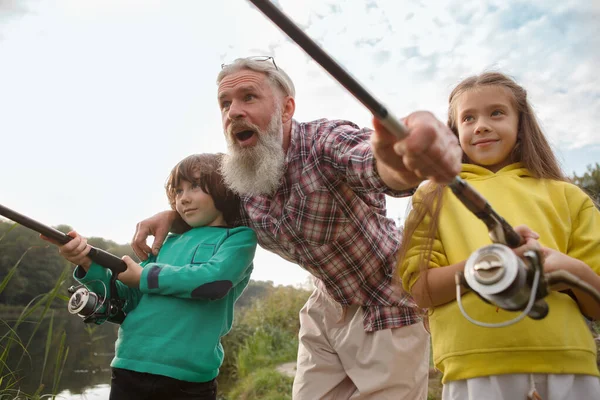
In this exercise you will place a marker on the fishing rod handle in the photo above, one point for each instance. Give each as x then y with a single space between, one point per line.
107 260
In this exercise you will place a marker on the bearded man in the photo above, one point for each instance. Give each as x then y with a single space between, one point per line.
314 193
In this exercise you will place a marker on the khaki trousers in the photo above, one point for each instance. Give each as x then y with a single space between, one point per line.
338 360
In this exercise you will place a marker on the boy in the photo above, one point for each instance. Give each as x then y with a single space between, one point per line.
179 303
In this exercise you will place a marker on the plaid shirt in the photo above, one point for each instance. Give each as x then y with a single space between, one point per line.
329 217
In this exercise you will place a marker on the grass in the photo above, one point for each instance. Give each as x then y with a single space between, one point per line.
14 346
264 384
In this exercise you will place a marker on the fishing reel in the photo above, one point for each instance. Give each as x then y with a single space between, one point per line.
94 308
498 276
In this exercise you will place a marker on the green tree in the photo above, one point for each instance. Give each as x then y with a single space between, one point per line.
590 182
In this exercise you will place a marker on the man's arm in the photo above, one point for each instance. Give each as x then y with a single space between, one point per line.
158 226
344 152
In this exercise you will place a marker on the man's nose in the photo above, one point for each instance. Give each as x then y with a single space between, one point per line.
236 110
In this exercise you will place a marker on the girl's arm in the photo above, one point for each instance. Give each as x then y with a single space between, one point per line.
437 286
555 260
582 257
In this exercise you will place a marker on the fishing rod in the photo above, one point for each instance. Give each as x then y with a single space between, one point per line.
88 305
508 282
500 231
99 256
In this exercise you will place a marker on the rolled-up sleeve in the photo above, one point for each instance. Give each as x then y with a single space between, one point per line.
346 149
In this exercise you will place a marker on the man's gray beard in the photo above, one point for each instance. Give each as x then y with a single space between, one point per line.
256 170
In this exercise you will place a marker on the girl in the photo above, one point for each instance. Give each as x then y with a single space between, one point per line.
180 303
508 160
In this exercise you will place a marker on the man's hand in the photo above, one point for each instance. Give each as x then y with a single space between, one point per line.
157 226
75 251
431 151
131 276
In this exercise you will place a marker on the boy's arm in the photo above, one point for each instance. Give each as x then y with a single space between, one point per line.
209 278
97 280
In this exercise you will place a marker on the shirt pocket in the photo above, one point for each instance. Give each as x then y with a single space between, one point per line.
315 215
203 253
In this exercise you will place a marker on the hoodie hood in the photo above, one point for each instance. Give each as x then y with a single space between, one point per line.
475 172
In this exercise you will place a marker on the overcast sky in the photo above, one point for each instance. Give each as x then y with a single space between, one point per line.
99 99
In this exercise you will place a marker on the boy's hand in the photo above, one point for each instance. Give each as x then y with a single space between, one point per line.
131 276
75 251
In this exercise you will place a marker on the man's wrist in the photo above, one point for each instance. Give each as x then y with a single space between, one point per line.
178 225
391 178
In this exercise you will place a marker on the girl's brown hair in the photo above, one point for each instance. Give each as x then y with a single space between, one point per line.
205 170
532 149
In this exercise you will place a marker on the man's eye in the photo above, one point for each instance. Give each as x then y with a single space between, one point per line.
249 97
225 105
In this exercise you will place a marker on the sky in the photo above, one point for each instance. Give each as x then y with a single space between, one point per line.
99 99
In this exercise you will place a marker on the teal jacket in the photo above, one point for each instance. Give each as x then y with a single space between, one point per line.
184 304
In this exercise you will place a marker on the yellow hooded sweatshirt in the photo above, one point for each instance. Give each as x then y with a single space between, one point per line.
566 220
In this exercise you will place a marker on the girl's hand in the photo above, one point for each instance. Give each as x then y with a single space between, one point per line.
74 251
554 260
131 276
530 240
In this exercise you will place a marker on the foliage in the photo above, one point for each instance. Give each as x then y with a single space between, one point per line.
263 336
264 384
590 182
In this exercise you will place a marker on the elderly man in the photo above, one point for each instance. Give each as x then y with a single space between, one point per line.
314 193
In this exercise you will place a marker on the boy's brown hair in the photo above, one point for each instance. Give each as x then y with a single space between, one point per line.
210 180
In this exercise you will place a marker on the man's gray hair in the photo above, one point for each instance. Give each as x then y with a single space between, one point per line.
276 76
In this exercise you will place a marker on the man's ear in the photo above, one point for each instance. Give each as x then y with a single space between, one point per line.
289 107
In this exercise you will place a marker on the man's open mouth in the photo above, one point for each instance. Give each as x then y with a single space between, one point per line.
244 135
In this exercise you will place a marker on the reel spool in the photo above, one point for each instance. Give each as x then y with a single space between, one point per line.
498 276
83 302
